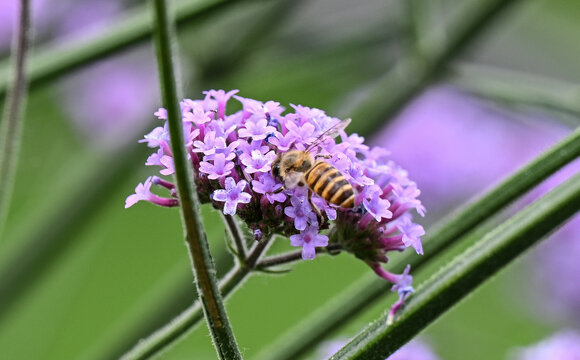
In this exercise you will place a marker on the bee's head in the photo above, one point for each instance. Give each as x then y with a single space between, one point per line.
276 169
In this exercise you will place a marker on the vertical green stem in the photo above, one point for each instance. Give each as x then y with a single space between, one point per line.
203 266
179 326
12 124
236 235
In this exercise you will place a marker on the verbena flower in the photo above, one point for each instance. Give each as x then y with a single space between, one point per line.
232 157
564 345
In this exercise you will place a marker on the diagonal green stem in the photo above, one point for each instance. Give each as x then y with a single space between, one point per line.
370 288
188 319
415 70
466 272
516 87
11 126
133 28
203 266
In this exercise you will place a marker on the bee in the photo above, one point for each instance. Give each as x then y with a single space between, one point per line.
299 168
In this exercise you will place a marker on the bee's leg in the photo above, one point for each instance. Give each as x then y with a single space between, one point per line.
321 219
328 156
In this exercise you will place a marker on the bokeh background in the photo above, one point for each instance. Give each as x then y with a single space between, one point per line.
83 278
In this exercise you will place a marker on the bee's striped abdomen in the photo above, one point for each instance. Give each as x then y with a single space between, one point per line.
329 183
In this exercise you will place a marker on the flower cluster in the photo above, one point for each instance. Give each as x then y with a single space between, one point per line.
232 158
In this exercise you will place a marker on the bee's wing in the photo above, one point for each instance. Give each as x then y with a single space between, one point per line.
292 179
329 133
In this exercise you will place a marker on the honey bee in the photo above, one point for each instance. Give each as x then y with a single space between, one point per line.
299 168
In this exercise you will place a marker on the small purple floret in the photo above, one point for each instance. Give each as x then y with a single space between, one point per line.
309 239
232 195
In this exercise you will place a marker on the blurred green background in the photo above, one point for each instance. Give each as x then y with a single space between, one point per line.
84 278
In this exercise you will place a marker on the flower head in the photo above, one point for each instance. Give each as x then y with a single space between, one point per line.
232 157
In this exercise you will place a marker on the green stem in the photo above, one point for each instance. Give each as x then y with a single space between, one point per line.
236 235
350 303
188 319
411 75
132 29
293 256
11 126
203 266
516 87
466 272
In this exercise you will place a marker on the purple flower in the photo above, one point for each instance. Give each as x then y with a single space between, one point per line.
167 163
564 345
411 233
161 114
304 133
257 130
197 115
282 142
232 195
209 144
301 212
375 205
221 97
257 162
156 137
239 148
309 239
267 186
143 192
219 169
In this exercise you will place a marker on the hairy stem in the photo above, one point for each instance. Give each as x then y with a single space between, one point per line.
514 87
419 67
203 266
236 235
133 28
293 256
466 272
11 126
188 319
370 289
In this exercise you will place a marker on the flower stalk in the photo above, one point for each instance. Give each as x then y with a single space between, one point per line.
188 319
369 289
466 272
203 266
11 126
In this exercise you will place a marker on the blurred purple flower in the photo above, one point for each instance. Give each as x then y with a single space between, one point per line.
564 345
416 349
455 146
106 101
